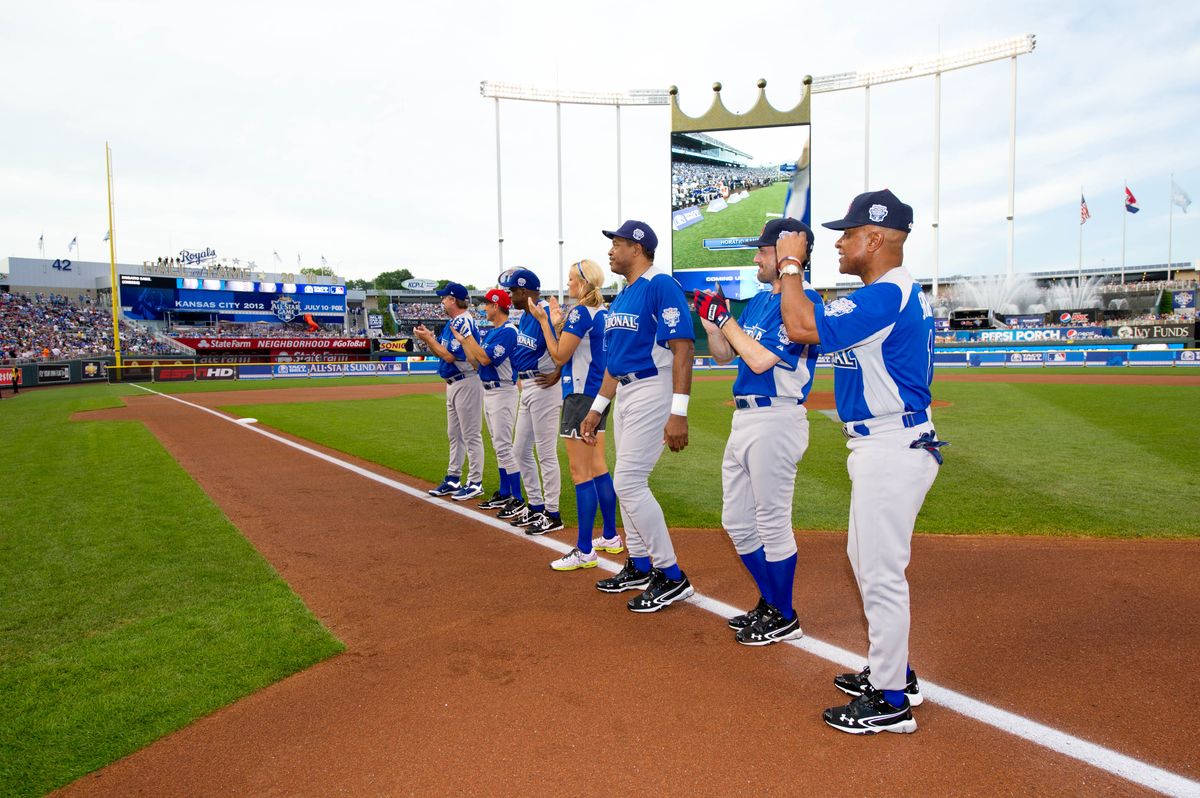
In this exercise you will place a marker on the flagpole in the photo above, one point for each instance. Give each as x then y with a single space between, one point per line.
1124 213
1080 271
112 263
1170 220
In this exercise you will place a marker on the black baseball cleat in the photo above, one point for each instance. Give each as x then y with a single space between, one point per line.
510 510
870 713
771 627
497 501
748 618
661 593
857 683
527 518
628 578
543 523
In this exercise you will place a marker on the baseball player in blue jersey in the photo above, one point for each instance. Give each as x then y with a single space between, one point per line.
464 395
493 358
537 413
768 438
579 349
649 341
881 340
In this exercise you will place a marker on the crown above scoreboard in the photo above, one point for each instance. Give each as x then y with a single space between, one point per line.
761 114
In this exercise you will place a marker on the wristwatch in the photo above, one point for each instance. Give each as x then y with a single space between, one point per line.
790 266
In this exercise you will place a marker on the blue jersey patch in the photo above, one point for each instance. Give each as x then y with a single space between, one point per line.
762 320
649 312
880 339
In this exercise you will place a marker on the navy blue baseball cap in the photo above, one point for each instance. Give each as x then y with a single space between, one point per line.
519 278
453 289
772 229
634 230
878 208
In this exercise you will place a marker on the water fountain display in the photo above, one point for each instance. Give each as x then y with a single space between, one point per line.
1020 293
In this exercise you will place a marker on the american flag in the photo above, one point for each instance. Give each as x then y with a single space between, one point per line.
1083 211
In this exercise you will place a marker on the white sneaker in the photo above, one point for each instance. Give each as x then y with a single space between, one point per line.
575 560
610 545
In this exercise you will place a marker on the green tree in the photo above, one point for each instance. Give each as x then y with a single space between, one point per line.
358 285
442 284
393 280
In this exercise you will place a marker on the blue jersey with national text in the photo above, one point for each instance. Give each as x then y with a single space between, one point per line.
531 354
584 372
792 376
447 339
499 344
880 339
641 319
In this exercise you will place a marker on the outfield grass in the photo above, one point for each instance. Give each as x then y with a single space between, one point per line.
129 605
746 218
1026 458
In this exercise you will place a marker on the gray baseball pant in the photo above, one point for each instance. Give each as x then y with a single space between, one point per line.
464 426
537 424
641 413
500 408
888 486
758 478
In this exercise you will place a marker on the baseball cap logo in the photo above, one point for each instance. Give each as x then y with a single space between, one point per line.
877 213
638 234
520 281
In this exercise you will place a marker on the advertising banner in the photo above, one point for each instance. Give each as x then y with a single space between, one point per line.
1034 334
152 298
48 373
216 373
686 217
274 345
1164 329
1188 357
94 370
1183 300
1110 358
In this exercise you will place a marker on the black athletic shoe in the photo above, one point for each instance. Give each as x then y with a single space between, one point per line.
661 593
771 627
870 713
748 618
858 683
543 523
497 501
527 518
628 578
510 510
513 510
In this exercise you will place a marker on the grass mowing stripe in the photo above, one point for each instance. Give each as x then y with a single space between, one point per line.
129 605
1026 458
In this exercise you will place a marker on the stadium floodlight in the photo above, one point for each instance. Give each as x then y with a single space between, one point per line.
958 59
502 90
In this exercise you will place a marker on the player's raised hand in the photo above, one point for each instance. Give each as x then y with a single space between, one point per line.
556 311
791 245
422 332
675 434
713 308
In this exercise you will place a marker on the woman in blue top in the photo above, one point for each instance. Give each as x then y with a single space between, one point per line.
579 349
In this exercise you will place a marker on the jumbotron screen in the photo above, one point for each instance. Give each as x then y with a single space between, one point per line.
152 298
725 185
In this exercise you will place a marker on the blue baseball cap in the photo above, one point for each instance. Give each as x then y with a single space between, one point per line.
878 208
772 229
455 290
519 278
634 230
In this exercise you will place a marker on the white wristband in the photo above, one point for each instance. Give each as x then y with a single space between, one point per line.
679 403
600 403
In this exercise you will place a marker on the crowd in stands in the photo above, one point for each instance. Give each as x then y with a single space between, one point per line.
696 184
49 326
1116 285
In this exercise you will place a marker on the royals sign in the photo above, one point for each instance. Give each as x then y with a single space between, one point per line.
187 256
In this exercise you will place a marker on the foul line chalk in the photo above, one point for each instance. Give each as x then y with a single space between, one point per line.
1097 756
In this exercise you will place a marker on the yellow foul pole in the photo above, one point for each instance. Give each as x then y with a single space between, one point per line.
112 260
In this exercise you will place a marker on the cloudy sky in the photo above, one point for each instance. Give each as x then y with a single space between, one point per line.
356 131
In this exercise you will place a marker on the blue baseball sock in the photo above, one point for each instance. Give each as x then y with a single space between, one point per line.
536 508
502 485
756 564
608 503
894 697
642 564
673 573
782 574
516 485
586 501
